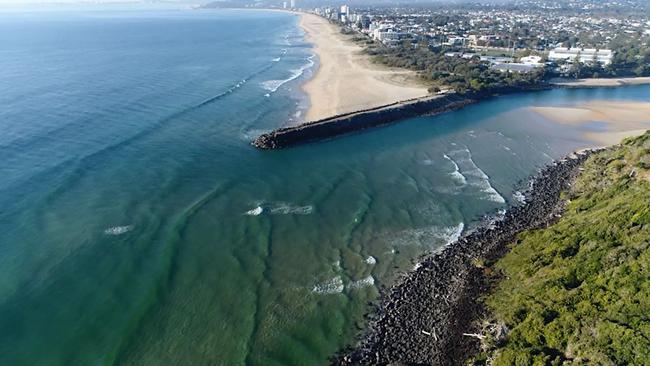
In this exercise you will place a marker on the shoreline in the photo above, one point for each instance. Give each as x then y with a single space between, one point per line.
600 82
346 80
425 317
334 96
343 124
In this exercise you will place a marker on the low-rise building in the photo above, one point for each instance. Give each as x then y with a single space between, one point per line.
514 67
531 60
583 55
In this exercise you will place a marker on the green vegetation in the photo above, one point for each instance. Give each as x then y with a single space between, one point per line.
578 292
441 71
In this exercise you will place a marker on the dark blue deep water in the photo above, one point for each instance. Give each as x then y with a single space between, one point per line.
137 225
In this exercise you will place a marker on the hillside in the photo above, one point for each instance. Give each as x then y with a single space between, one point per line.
578 292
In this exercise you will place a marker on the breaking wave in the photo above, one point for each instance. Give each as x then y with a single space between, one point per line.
273 85
469 169
333 286
254 212
370 260
118 230
364 282
287 209
456 174
425 235
279 208
519 197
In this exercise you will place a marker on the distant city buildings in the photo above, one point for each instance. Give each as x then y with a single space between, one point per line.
499 35
293 4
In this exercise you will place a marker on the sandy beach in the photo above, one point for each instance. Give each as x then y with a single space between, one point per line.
604 122
347 80
580 83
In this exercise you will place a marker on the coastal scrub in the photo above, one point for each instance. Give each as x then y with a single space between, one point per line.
577 292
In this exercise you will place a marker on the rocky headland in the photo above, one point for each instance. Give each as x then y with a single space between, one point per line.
429 316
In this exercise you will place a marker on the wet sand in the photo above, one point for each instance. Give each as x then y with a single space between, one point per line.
603 122
347 80
601 82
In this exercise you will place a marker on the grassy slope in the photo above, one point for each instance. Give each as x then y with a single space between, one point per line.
578 292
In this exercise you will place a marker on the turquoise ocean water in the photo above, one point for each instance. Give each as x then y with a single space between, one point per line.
137 225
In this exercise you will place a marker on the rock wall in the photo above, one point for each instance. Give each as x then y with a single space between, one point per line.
360 120
356 121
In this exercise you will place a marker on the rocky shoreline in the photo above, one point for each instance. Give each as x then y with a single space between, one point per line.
425 317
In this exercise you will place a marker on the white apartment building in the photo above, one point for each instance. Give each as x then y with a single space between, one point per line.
584 55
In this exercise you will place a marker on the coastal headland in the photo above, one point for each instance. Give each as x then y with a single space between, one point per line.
426 317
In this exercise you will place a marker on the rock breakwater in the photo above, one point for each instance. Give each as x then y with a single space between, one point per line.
422 318
360 120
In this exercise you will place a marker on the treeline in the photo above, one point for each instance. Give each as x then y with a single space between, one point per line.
627 61
456 73
462 75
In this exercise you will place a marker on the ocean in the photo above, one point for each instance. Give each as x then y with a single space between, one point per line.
138 226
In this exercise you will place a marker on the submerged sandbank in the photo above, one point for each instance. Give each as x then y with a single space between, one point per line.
346 79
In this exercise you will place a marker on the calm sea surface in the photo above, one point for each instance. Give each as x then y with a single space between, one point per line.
137 225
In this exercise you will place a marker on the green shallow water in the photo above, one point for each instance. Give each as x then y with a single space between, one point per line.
128 202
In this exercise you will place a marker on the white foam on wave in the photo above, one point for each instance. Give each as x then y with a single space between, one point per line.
255 211
456 174
364 282
279 208
519 197
332 286
287 209
427 162
482 180
248 135
370 260
273 85
118 230
276 59
426 235
453 233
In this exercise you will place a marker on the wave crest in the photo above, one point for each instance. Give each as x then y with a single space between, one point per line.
332 286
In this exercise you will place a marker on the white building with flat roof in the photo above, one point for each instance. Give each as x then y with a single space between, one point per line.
584 55
531 60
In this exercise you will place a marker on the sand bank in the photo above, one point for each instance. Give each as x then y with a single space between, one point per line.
347 80
603 122
601 82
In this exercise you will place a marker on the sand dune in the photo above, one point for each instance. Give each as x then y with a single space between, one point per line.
347 80
617 120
